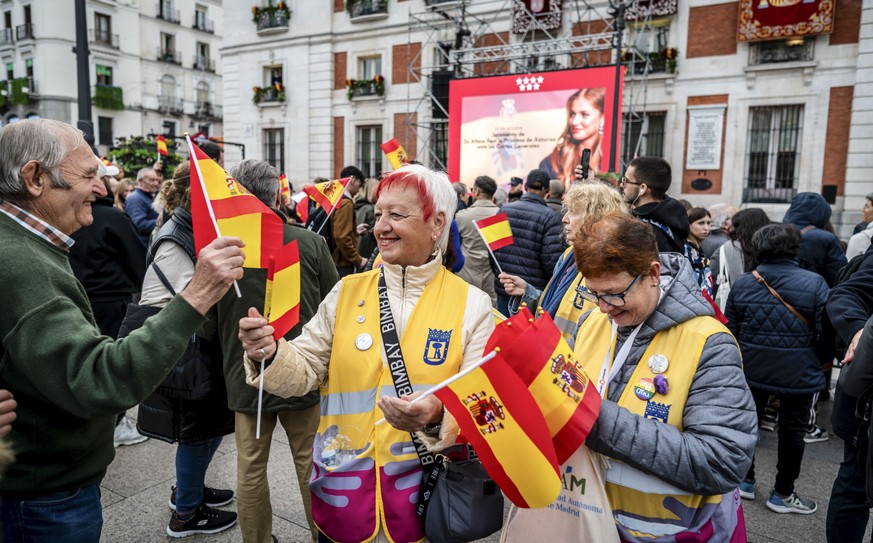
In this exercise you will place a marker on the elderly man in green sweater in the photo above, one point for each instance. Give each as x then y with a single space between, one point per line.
68 380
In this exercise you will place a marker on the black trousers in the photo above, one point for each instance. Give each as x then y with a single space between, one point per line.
793 417
848 510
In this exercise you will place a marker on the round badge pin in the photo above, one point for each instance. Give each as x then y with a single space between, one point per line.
363 342
360 319
658 363
645 389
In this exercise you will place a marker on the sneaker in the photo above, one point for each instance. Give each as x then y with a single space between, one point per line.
205 520
817 435
126 433
791 504
768 425
212 497
747 489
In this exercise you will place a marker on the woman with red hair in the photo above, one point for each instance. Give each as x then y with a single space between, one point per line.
677 421
365 480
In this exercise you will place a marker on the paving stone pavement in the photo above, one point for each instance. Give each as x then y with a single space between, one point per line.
137 487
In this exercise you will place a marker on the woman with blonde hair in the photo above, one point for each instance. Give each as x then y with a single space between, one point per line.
123 189
364 217
583 131
559 299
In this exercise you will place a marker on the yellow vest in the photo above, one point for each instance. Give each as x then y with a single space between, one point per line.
368 477
572 305
642 503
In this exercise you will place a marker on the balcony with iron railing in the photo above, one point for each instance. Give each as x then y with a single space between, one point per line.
361 10
206 110
203 64
6 35
169 55
171 105
167 13
104 38
17 91
271 19
24 32
108 97
203 24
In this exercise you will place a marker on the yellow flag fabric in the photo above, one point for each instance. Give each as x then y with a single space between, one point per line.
282 298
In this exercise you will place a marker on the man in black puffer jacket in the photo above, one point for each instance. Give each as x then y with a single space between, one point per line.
850 306
536 232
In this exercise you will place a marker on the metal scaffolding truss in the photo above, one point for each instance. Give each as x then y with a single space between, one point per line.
473 39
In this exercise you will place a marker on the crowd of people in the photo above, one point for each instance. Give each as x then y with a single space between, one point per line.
698 326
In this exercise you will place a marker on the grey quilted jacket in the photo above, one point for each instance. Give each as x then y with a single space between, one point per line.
714 451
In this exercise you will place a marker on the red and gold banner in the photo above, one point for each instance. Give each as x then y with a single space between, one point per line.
530 15
779 19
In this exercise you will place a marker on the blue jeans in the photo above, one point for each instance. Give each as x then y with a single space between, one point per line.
192 460
73 516
503 304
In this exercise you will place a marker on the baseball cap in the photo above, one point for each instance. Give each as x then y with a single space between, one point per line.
537 180
515 181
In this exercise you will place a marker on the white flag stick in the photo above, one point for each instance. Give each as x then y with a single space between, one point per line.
260 401
450 380
488 246
206 197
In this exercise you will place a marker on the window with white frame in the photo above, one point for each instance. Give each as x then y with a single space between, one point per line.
202 94
773 153
368 152
274 147
369 67
168 91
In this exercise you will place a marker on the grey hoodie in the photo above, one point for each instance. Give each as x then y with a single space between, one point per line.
714 452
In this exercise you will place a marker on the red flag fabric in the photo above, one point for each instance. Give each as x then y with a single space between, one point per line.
495 231
327 194
500 420
162 146
302 207
544 362
282 298
221 206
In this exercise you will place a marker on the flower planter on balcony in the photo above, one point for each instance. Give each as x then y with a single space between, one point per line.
367 9
108 97
271 18
272 94
365 87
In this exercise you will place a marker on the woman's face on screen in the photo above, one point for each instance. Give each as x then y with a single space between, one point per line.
584 120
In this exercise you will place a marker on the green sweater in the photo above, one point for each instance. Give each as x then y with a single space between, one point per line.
68 380
317 277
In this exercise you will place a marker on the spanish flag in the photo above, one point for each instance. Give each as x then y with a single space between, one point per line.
282 299
327 194
495 231
544 362
220 206
162 146
395 153
301 207
500 420
284 188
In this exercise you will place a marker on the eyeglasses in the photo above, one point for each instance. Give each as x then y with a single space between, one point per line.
615 300
626 181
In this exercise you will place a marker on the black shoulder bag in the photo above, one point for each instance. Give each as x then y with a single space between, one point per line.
458 502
